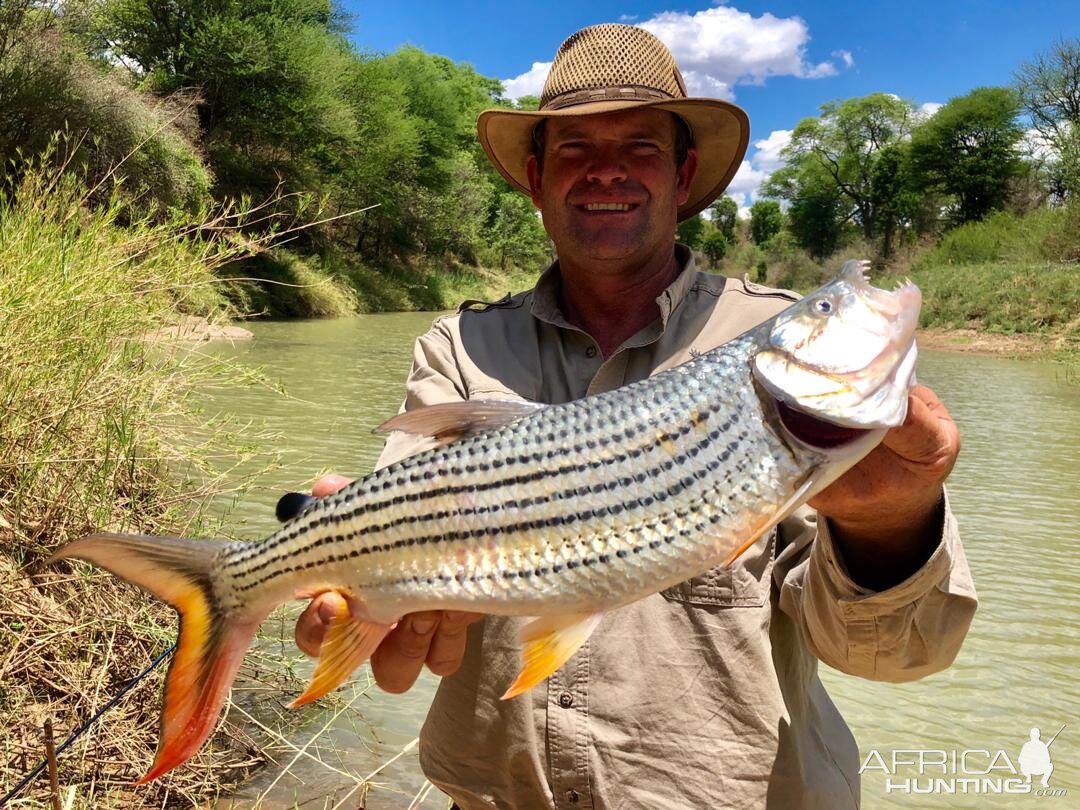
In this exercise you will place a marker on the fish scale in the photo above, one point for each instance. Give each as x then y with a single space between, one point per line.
561 549
560 512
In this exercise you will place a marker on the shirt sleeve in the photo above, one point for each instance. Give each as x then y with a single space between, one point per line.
903 633
434 379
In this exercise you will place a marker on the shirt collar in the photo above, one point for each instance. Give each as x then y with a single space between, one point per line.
545 300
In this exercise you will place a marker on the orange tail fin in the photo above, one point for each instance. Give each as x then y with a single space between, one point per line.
211 644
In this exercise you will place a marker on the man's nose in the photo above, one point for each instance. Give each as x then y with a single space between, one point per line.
606 166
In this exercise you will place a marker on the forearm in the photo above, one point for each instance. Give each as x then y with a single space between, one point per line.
883 553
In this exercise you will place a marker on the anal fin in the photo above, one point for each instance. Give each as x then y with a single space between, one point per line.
347 644
549 642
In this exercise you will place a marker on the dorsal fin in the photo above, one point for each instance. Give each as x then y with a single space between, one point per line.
450 421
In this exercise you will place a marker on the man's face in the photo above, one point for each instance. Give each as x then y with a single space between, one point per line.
610 189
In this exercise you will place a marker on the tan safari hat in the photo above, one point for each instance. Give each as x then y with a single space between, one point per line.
616 67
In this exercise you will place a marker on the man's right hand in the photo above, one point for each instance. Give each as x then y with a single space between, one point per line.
434 637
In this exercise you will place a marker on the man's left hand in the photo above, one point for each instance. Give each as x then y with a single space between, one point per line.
884 511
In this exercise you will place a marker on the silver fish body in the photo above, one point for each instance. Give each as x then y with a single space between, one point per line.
578 507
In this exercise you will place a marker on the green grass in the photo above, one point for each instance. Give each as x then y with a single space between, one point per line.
95 430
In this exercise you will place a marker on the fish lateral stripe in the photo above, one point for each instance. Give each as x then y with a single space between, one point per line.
492 530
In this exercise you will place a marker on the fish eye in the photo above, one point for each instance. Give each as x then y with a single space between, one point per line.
823 305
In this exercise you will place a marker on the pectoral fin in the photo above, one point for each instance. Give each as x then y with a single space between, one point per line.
549 642
790 505
347 644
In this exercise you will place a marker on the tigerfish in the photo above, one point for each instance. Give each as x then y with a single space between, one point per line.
560 512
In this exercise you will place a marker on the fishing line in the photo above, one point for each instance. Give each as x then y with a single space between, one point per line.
26 780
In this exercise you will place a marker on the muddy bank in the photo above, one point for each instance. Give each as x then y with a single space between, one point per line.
973 341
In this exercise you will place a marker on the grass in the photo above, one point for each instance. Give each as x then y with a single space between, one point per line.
94 431
280 284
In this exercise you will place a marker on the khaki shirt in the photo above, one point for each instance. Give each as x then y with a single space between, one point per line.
705 695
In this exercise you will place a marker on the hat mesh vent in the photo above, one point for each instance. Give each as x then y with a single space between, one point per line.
612 56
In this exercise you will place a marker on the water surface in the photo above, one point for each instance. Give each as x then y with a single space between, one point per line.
1014 491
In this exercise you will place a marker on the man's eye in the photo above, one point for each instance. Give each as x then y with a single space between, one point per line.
645 148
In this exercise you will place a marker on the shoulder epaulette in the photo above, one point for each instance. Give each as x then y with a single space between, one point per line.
752 288
476 305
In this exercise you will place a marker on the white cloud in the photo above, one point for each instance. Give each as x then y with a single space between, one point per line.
719 48
767 150
530 83
928 109
627 18
1034 143
745 186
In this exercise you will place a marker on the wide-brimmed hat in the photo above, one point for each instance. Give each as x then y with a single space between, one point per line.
611 67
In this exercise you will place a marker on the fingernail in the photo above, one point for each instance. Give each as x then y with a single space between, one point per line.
422 626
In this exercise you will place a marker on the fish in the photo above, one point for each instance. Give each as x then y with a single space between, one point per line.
560 512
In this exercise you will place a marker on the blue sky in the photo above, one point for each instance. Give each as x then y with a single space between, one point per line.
778 60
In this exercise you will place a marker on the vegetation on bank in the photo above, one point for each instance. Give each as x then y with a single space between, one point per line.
97 435
176 106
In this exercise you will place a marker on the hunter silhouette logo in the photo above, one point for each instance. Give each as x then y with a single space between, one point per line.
1035 757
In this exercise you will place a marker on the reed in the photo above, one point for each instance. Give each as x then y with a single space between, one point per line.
94 434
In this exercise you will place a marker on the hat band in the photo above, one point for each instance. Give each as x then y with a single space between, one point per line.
631 93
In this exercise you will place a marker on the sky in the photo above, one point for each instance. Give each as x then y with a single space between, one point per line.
779 60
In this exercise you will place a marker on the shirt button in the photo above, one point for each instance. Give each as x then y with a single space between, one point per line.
566 700
590 352
572 796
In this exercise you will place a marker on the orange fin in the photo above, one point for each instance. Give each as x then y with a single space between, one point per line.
450 421
348 643
549 643
211 645
801 495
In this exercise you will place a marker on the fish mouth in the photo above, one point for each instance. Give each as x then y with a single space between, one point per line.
813 431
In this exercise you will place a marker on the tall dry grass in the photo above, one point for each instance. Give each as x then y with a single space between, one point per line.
95 434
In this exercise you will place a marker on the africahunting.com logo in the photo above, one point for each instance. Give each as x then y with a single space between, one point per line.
969 770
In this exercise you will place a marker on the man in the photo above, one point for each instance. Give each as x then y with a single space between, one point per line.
705 695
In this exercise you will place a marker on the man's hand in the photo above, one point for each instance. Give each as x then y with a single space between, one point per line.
435 637
885 511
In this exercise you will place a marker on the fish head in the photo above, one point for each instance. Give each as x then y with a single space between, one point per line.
842 358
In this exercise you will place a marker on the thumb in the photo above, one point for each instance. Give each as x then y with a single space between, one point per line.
929 436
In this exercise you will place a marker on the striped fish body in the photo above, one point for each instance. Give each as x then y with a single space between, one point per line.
560 512
575 509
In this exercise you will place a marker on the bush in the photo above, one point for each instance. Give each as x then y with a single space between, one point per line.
116 135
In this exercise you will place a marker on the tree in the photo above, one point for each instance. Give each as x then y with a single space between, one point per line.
1049 91
967 150
690 231
725 212
766 218
837 153
714 246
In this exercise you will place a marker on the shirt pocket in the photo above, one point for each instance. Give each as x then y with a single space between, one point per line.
745 583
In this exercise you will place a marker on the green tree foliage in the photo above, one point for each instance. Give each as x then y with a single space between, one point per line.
1049 91
766 219
968 151
516 233
691 231
841 150
725 212
714 246
113 133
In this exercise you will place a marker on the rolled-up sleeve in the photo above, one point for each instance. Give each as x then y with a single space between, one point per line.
434 379
900 634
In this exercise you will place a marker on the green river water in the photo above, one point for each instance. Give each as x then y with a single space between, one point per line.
1015 491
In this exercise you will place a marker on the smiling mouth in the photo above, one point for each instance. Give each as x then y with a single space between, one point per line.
610 206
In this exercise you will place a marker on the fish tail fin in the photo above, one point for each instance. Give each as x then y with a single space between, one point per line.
211 644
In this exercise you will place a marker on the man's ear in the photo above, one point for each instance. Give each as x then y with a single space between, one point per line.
532 168
685 176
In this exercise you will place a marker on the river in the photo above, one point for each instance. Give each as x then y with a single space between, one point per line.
1014 490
